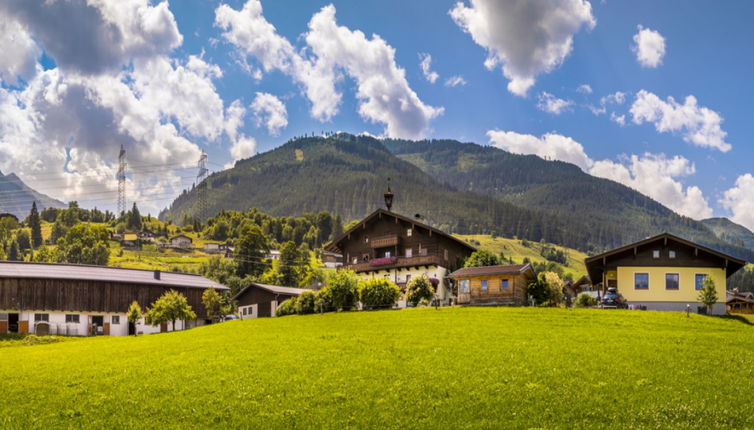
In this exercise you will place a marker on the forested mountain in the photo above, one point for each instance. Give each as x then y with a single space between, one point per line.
730 232
460 188
16 197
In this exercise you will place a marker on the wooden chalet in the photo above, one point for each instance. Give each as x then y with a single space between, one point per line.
493 285
740 303
262 300
49 298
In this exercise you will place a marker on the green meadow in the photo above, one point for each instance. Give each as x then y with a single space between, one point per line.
414 368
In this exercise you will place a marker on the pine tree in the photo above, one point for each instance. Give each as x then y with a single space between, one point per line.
36 226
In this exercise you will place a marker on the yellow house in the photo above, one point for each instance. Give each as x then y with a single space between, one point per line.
664 272
493 285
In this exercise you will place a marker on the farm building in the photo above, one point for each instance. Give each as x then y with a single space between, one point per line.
664 272
181 241
493 285
49 298
261 300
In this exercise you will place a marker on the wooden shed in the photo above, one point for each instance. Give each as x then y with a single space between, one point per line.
493 285
261 300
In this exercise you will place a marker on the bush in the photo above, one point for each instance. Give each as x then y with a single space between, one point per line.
585 300
546 290
288 307
342 286
323 300
305 304
378 293
482 258
418 289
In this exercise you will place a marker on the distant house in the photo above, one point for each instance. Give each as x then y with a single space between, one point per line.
181 241
146 236
261 300
740 303
331 260
130 241
574 288
274 254
388 245
664 272
493 285
212 247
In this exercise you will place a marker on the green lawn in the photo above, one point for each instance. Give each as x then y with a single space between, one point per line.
426 368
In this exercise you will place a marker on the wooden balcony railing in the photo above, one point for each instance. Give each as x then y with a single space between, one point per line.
419 260
384 241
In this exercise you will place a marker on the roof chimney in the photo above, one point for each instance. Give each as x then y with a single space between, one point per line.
157 274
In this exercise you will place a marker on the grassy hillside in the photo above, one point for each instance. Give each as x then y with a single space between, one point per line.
426 368
516 249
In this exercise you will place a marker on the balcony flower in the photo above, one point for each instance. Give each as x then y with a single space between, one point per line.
384 261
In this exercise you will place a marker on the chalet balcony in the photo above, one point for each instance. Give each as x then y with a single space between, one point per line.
388 263
384 241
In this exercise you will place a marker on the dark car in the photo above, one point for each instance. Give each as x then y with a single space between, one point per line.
613 300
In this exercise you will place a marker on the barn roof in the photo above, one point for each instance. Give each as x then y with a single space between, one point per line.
79 272
276 289
490 270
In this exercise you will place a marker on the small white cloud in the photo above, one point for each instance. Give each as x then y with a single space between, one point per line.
551 104
426 65
584 89
455 81
244 147
550 145
525 37
740 201
620 119
699 125
649 47
268 110
616 98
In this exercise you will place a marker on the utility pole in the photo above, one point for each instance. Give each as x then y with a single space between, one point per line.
202 185
121 176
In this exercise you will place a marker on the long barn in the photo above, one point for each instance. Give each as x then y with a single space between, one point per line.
67 299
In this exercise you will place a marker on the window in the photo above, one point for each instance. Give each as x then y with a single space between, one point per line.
409 252
388 254
484 285
115 320
671 281
641 281
504 284
409 232
671 254
72 319
656 253
699 280
41 317
245 311
463 285
408 278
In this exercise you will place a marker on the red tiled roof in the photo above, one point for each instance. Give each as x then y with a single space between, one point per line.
490 270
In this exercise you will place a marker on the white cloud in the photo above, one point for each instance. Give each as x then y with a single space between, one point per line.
620 119
245 147
616 98
649 47
657 176
268 110
699 125
740 201
652 174
384 94
550 145
425 62
551 104
95 36
20 52
526 37
584 89
455 81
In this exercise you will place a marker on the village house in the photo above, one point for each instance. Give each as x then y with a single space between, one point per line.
664 272
493 285
261 300
79 300
388 245
129 241
181 241
331 260
740 303
146 236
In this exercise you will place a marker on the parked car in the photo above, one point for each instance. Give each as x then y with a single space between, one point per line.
613 300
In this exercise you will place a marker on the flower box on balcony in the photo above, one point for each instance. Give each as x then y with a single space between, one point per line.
384 261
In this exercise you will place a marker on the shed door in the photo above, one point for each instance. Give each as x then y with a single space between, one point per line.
265 309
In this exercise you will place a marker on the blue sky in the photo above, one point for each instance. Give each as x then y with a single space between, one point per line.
185 75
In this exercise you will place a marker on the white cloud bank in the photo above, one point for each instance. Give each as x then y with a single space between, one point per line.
332 51
740 201
649 47
525 37
268 110
652 174
699 125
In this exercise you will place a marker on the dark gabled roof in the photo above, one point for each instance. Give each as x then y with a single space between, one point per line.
80 272
275 289
593 261
491 270
182 235
333 246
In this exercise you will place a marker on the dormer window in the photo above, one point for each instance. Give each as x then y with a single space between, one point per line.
656 253
671 254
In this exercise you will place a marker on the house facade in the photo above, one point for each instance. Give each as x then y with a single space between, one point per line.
181 241
389 245
493 285
262 300
664 272
79 300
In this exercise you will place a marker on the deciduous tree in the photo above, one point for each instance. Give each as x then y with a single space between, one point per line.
170 307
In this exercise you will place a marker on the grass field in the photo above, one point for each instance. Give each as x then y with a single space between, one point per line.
426 368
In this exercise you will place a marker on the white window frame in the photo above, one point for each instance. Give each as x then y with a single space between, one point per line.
672 254
655 253
78 319
409 232
43 317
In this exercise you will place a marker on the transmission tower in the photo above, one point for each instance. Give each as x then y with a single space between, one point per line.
202 185
121 181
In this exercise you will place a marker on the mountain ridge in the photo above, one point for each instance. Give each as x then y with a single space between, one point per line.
18 197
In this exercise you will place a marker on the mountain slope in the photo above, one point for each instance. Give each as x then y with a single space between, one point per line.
730 232
16 197
614 213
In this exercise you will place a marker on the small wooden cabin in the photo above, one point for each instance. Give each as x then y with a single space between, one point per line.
493 285
740 303
261 300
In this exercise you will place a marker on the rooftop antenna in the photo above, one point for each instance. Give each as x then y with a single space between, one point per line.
202 184
121 176
388 196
